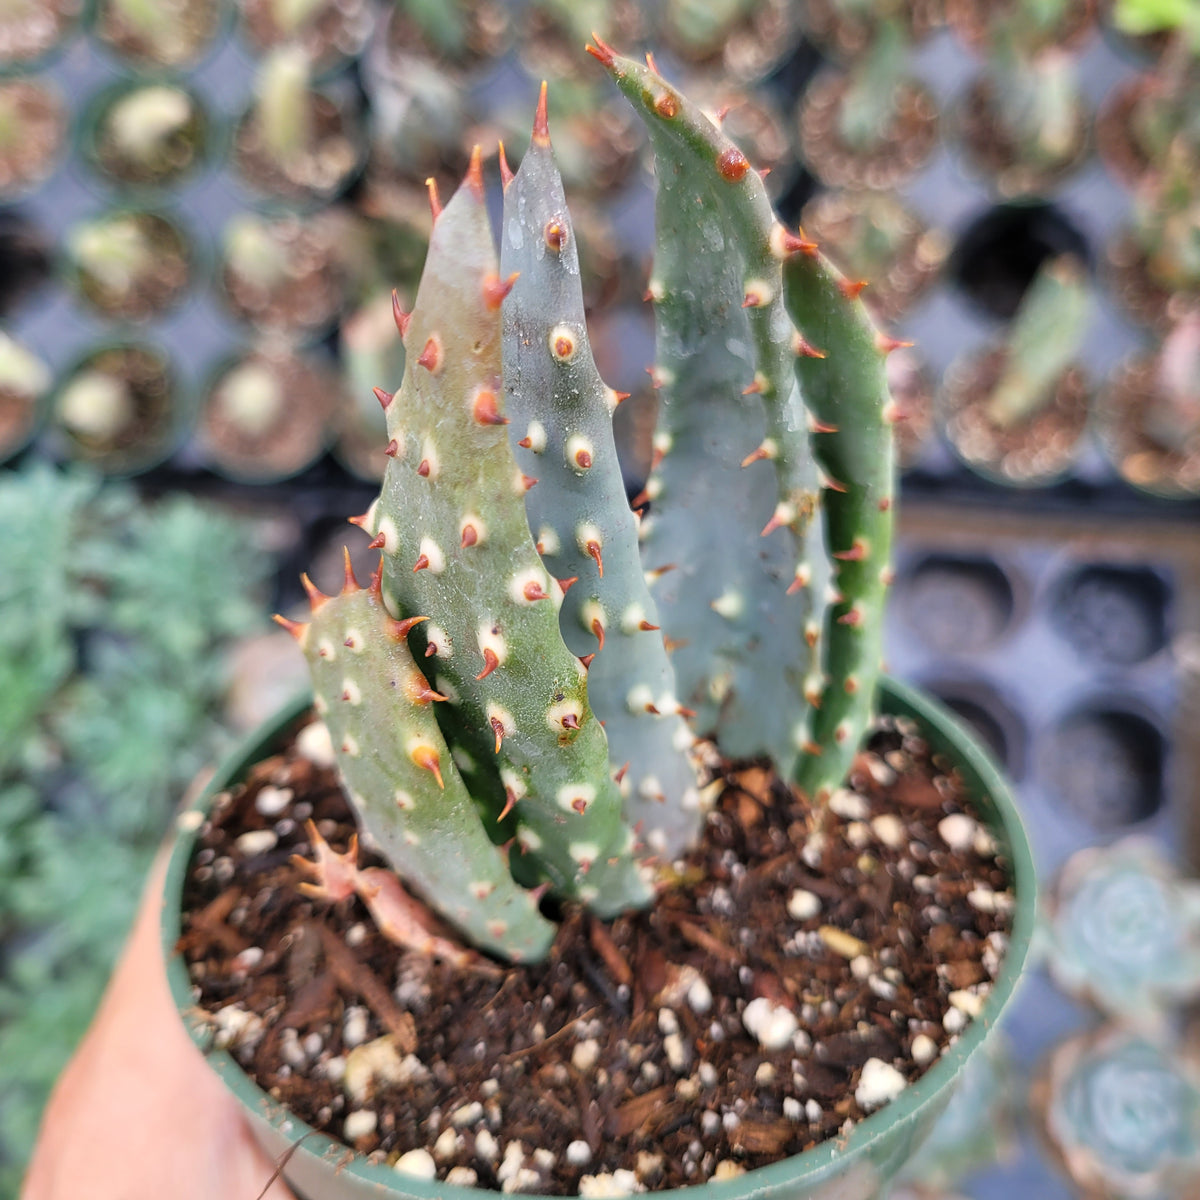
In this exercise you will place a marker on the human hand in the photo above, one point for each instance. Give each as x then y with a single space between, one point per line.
138 1114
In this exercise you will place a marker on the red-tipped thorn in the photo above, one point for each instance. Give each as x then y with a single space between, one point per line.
778 521
797 243
490 663
756 456
435 204
565 584
851 288
495 289
384 398
571 721
506 172
803 348
621 397
421 564
316 597
534 591
510 801
646 627
525 443
360 520
349 581
815 426
528 481
763 172
541 127
376 584
593 550
856 553
401 629
834 485
474 176
423 468
653 710
586 659
885 344
754 388
640 500
469 536
601 50
598 630
485 410
498 729
377 542
402 319
689 713
296 628
426 757
732 164
392 448
671 644
852 618
721 113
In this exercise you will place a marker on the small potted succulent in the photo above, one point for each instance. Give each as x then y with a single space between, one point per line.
1017 411
296 145
33 126
30 30
873 125
24 382
145 135
617 956
332 32
130 265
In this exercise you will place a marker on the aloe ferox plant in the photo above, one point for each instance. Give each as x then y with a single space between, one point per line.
515 699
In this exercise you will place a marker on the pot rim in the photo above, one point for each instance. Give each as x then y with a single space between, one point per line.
945 732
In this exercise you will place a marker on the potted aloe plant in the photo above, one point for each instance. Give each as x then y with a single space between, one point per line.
591 952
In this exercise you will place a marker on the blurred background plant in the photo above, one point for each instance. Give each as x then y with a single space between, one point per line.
117 619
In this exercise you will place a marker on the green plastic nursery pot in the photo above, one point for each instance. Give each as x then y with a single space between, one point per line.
857 1167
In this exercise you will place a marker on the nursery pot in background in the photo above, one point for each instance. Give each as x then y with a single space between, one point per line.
857 1167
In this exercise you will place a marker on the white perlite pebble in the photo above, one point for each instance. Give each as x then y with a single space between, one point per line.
257 841
770 1024
618 1183
579 1153
462 1176
676 1052
924 1049
879 1083
967 1002
803 904
814 850
958 831
861 967
982 899
359 1123
699 996
728 1169
710 1122
417 1162
955 1020
467 1114
485 1146
849 805
514 1161
792 1108
236 1026
314 743
271 801
668 1022
812 1110
447 1144
378 1063
585 1055
889 829
355 1026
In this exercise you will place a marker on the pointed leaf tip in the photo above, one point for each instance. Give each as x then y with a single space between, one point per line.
851 288
495 289
474 176
490 663
541 126
506 172
426 757
378 542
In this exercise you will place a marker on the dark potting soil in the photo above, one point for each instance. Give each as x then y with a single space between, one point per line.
39 115
790 982
993 151
153 291
847 32
901 150
1132 280
320 172
1035 450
